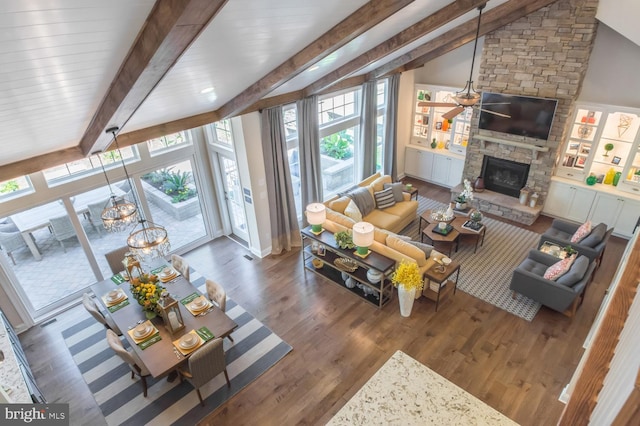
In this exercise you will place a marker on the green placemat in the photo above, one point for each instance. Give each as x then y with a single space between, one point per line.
118 279
190 298
150 341
205 333
122 304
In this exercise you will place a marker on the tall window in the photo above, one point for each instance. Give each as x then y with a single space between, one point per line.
381 122
289 113
16 187
222 133
166 143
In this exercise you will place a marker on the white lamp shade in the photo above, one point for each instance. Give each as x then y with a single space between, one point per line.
316 213
362 234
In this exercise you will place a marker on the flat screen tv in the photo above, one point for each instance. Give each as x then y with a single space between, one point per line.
527 116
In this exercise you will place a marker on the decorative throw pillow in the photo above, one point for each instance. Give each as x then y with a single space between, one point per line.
576 272
426 248
384 198
595 236
581 232
353 212
558 269
397 188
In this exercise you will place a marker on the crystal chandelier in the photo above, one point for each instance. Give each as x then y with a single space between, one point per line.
119 213
147 240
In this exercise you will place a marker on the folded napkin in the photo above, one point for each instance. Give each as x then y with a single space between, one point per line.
159 269
122 304
190 298
150 341
118 279
205 334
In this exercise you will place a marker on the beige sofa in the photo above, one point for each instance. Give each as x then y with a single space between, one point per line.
386 242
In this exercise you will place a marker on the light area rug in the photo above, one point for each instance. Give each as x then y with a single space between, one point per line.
405 392
487 273
254 351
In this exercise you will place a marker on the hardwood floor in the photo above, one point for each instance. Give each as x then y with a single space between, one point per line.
339 341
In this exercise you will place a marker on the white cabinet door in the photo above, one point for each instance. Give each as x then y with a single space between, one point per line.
568 201
627 218
441 168
418 163
455 173
606 208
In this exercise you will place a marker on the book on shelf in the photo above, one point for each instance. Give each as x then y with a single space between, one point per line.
473 226
462 212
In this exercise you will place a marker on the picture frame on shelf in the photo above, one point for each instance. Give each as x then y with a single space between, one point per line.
573 146
600 179
616 160
585 150
321 250
580 162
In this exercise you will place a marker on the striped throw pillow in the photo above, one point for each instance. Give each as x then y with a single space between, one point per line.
384 198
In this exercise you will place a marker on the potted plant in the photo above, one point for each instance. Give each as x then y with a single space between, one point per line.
465 196
608 147
344 239
408 279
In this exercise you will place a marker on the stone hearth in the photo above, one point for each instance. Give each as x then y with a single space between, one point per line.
501 205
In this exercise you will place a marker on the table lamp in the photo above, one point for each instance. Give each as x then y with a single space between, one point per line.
362 237
316 215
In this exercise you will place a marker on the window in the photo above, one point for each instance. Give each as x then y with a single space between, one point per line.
290 117
166 143
222 133
381 122
339 107
87 166
13 188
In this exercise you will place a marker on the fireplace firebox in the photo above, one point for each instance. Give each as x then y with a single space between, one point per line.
504 176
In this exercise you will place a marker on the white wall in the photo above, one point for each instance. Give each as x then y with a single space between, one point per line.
612 76
451 69
405 111
616 14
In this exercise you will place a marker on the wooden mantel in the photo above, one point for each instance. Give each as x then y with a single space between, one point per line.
535 149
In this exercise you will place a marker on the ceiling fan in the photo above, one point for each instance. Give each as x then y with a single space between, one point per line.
467 97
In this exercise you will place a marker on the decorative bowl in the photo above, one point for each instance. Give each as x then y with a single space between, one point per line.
446 261
317 263
345 264
441 216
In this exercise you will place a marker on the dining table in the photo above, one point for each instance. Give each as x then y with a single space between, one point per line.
38 217
162 357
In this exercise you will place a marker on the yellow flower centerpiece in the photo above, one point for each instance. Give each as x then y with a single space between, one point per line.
408 279
146 290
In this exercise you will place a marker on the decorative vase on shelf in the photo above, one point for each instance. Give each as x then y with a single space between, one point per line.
374 276
478 185
406 299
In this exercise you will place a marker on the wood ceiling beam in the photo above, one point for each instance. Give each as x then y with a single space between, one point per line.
403 38
170 28
40 162
348 29
493 19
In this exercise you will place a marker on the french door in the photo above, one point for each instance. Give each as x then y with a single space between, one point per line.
233 196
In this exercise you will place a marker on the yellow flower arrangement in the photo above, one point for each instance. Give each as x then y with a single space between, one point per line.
407 275
146 290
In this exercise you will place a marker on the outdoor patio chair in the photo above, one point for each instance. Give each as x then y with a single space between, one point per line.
62 229
11 241
94 215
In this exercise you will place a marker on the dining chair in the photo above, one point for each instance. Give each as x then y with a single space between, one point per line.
94 216
91 307
217 295
181 265
62 229
115 258
204 365
136 366
11 241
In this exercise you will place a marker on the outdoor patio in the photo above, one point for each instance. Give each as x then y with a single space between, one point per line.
61 273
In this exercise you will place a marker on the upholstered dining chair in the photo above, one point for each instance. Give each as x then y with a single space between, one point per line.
115 258
136 366
91 307
218 295
181 265
204 365
62 229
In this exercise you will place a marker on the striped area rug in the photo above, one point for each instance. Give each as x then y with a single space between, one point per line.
254 351
487 273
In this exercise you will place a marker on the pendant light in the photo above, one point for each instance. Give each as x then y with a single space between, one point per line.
147 240
118 213
468 96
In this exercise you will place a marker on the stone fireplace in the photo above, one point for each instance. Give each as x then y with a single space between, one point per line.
504 176
544 54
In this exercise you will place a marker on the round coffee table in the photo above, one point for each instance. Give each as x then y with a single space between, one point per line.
438 239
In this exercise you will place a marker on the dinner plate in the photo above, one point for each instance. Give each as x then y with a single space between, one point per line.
115 296
142 331
188 341
199 304
167 273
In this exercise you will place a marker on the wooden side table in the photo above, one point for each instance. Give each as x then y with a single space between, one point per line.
413 192
439 284
438 239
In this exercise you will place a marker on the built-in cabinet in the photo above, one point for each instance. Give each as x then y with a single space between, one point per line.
579 202
430 129
603 139
442 168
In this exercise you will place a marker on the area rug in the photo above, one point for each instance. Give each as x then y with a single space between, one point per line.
254 351
487 273
405 392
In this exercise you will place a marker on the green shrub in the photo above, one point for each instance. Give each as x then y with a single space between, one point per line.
337 146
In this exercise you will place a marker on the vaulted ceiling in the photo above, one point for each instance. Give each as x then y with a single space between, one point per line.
69 69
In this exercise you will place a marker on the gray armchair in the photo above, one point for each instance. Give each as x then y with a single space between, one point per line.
592 245
564 294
